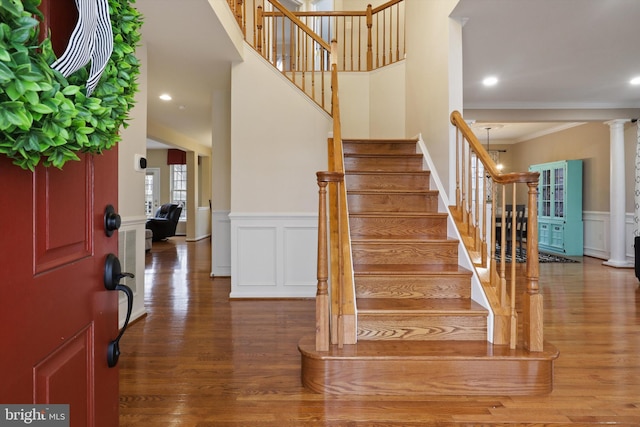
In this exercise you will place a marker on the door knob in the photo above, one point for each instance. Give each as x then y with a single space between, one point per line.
112 276
112 220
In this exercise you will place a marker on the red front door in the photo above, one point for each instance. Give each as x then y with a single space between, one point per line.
56 317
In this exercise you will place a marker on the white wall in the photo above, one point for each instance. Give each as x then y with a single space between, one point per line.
388 101
131 195
429 74
278 141
354 94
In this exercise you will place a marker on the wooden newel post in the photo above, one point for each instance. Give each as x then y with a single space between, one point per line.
322 295
532 306
369 38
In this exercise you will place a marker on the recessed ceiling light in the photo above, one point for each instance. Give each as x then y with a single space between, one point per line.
165 97
635 81
490 81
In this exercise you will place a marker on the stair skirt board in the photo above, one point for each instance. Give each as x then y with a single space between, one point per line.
423 368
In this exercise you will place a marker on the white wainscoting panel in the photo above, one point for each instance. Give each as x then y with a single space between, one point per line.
220 244
597 235
273 255
131 254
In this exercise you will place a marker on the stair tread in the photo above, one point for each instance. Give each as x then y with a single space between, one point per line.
386 214
387 173
381 140
392 191
386 155
402 239
394 349
409 269
419 306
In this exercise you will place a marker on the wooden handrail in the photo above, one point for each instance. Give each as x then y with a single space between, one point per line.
490 167
473 164
387 5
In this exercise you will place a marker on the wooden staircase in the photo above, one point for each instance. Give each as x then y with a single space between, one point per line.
418 330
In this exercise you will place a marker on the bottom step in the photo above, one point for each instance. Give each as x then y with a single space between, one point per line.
426 368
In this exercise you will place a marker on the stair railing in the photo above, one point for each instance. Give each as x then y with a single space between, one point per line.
367 39
335 308
480 187
293 48
297 43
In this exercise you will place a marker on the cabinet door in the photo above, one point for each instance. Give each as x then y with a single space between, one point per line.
558 192
557 236
545 193
544 234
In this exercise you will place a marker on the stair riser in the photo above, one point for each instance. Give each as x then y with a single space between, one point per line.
379 147
380 227
438 376
392 164
405 253
392 202
413 287
387 181
421 328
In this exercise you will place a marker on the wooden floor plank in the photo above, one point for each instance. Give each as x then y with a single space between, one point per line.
200 360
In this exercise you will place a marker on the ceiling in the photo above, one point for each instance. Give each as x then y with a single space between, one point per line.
561 54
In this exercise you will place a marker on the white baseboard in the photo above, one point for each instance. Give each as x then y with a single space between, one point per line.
273 255
198 238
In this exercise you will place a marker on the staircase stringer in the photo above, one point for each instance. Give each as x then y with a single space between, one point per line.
478 293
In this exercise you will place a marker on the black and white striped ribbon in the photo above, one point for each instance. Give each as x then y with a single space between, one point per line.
91 40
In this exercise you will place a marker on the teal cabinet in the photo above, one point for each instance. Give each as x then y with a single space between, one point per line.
560 227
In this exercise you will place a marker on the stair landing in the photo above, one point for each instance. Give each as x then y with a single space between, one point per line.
427 368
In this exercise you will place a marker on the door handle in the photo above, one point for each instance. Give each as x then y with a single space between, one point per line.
112 276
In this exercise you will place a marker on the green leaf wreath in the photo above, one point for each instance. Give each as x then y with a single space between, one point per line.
45 117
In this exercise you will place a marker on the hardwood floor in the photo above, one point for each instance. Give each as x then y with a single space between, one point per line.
199 360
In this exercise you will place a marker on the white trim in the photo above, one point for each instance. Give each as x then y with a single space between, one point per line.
220 243
549 131
133 220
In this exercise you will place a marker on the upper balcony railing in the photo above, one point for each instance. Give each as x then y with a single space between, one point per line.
297 43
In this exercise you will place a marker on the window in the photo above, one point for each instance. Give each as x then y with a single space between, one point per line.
179 187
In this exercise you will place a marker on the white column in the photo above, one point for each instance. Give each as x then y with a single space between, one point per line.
617 238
